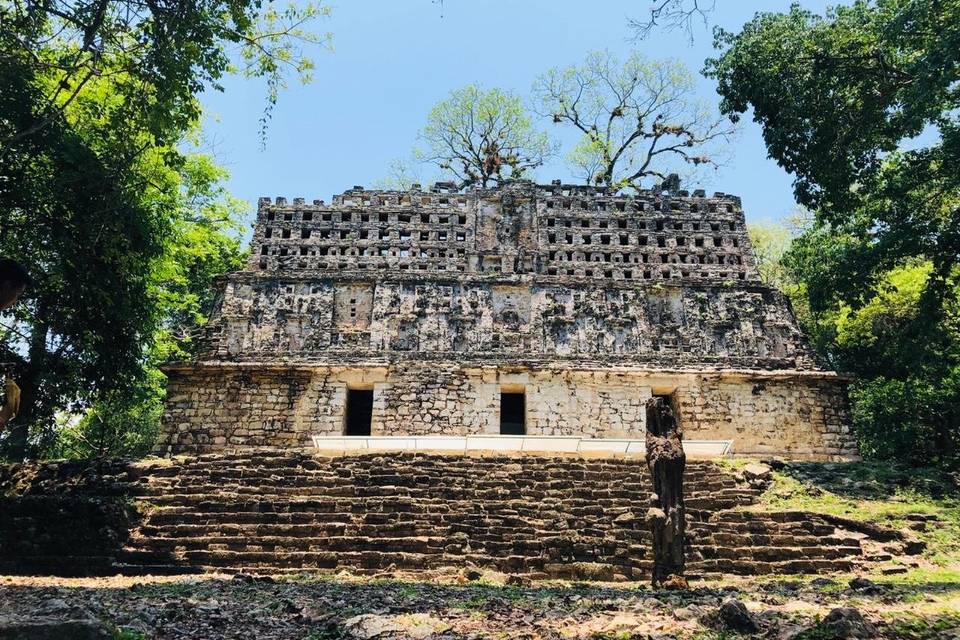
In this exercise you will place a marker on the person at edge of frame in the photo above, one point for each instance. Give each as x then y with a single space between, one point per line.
14 280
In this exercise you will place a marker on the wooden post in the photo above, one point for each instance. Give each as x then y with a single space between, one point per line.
666 516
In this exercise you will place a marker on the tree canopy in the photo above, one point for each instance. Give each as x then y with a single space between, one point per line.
842 100
121 245
638 120
483 136
158 55
861 106
121 226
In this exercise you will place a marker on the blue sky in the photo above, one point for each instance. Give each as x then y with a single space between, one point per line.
394 59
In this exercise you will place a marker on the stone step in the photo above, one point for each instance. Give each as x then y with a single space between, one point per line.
326 522
530 507
769 540
618 490
779 516
604 546
253 518
751 567
490 481
697 500
510 534
424 544
623 492
312 559
382 560
227 562
412 471
382 464
709 552
73 566
271 511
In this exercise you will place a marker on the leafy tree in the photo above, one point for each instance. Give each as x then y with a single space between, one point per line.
204 244
637 120
861 105
120 248
122 423
483 136
119 226
905 397
158 54
401 175
840 98
770 242
89 243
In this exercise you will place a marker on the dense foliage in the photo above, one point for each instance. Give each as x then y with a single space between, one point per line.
120 225
861 106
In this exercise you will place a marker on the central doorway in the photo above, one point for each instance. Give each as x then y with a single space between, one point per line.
513 410
359 412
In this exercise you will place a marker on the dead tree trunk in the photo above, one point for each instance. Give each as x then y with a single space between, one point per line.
666 516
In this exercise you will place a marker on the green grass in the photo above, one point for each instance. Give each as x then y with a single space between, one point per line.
328 633
715 635
912 627
733 464
880 493
940 578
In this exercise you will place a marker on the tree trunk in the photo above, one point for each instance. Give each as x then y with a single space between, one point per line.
666 516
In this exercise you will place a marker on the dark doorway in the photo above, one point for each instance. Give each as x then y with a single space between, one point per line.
359 412
668 399
512 414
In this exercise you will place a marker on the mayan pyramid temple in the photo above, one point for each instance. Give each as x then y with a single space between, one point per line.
443 378
546 313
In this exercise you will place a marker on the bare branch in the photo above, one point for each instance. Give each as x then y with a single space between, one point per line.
625 105
672 15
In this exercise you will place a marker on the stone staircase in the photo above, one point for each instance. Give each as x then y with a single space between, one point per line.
280 511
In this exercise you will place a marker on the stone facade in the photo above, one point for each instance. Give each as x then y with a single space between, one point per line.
584 301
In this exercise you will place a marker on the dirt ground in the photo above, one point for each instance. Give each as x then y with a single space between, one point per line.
450 605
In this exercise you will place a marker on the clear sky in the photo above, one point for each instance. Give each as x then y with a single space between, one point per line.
394 59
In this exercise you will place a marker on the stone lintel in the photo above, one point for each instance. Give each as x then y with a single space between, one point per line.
574 372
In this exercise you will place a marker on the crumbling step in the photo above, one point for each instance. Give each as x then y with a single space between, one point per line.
777 554
749 567
282 511
418 544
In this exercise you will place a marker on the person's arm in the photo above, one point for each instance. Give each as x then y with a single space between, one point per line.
11 406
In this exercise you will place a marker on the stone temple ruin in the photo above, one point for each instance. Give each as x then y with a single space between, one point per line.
531 313
539 310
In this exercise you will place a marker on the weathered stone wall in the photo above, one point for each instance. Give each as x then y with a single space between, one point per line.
438 301
695 326
550 230
801 418
543 271
219 407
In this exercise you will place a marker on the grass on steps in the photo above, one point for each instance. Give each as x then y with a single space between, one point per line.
882 493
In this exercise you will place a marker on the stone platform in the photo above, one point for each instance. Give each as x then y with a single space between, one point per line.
543 445
282 511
